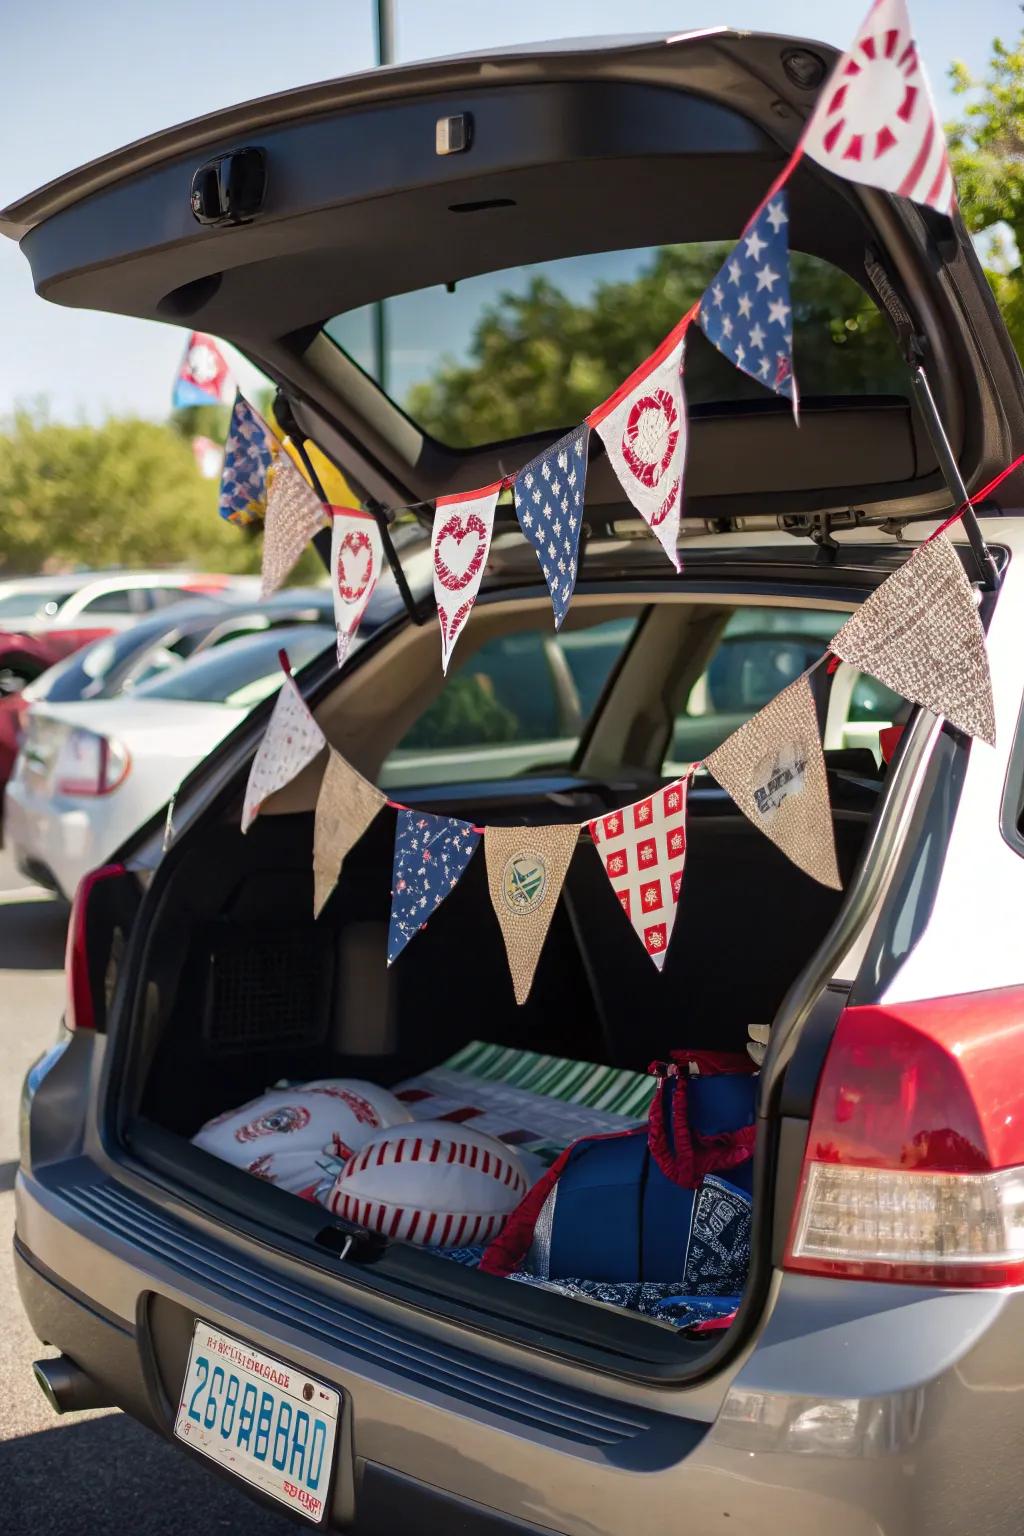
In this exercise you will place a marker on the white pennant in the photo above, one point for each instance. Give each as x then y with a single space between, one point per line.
292 739
357 556
459 544
875 120
643 428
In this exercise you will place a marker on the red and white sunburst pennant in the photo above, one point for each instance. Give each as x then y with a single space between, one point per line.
875 121
643 428
461 538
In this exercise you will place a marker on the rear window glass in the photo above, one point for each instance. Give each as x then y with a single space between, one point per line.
242 672
534 348
30 605
520 703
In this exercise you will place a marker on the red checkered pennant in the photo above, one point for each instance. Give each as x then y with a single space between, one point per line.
643 849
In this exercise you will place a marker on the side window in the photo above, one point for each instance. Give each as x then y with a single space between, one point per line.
520 702
759 652
119 601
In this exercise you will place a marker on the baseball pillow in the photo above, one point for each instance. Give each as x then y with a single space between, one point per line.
436 1182
281 1135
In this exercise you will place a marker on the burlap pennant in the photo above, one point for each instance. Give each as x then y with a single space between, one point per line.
643 850
919 634
774 769
345 807
294 513
292 740
525 870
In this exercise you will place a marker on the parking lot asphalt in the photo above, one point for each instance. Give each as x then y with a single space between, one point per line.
85 1474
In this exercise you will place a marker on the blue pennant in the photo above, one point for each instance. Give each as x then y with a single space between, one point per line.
431 854
549 496
745 310
248 456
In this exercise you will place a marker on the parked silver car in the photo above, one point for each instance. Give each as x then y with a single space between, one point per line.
868 1382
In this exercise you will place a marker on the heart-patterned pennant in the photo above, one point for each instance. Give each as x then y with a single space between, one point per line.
461 539
357 557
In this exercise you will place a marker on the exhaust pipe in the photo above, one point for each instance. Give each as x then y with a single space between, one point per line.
66 1387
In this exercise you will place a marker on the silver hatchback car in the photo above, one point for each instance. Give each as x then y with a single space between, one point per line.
389 248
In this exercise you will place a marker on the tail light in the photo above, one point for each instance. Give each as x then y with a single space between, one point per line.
914 1168
90 764
87 956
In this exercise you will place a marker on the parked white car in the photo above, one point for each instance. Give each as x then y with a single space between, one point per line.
113 600
88 774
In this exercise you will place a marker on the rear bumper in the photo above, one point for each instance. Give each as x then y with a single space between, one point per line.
448 1431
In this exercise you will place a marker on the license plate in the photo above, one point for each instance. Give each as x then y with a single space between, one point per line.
265 1421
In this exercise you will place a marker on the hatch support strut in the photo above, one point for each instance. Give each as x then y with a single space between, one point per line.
322 539
954 481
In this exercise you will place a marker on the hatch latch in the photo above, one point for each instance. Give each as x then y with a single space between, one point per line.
229 189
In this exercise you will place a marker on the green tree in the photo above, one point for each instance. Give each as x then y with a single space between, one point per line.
127 492
538 360
987 150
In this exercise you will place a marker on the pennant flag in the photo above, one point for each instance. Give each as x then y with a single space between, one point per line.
459 544
643 850
774 769
209 457
203 375
294 513
292 740
345 807
431 854
919 634
643 428
549 505
525 870
250 452
875 121
357 557
745 310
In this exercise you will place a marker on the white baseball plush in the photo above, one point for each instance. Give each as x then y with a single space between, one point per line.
435 1182
281 1135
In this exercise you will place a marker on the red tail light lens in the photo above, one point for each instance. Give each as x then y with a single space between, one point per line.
914 1169
82 981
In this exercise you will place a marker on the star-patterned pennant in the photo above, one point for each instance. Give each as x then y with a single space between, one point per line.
549 497
250 451
774 769
919 633
345 807
643 850
357 557
459 545
745 311
431 854
526 868
875 120
643 428
292 739
294 514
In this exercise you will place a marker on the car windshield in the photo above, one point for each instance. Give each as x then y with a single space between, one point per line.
534 348
243 671
31 604
86 674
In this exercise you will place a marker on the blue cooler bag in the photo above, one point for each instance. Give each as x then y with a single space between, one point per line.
663 1203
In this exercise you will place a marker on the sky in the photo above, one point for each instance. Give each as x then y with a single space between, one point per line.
83 79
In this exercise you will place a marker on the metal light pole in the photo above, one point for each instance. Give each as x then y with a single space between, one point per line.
385 55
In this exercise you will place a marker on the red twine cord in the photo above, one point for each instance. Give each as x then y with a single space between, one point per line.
972 501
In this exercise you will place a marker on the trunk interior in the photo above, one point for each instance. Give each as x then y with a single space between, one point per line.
245 991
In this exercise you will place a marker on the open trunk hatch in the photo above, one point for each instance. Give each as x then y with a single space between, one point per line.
337 198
